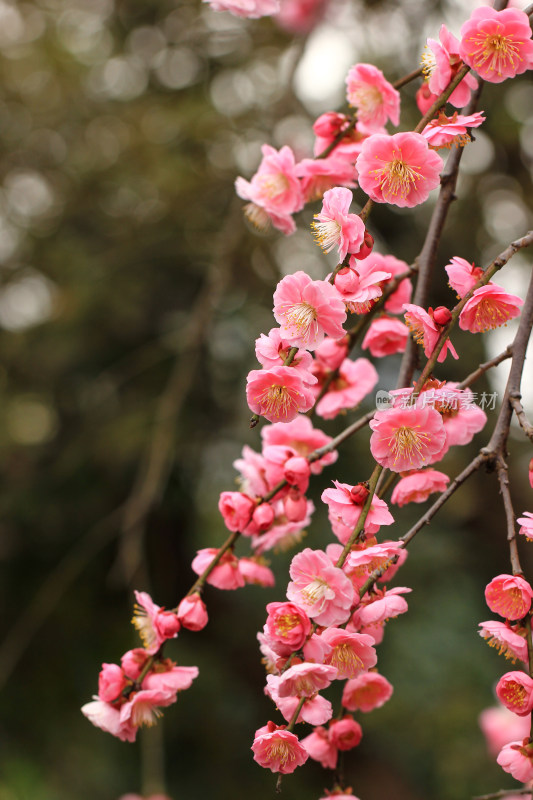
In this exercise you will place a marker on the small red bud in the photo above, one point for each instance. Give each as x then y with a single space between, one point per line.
359 493
367 246
263 516
442 315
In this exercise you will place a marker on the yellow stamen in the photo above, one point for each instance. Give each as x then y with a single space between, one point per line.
494 52
397 178
407 443
277 401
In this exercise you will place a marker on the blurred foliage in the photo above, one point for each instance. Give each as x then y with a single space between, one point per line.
125 265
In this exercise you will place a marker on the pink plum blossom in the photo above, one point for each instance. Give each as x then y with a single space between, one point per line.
236 509
111 682
505 640
362 561
155 625
359 286
166 676
530 473
355 380
441 63
316 710
318 175
344 504
274 191
251 468
225 575
509 596
489 307
320 748
253 570
107 717
399 169
320 588
426 330
385 336
500 727
303 438
307 310
300 16
278 394
306 679
515 691
497 44
272 350
462 276
351 653
527 525
366 692
287 627
447 131
345 733
284 533
332 352
374 98
246 8
382 606
192 612
335 227
133 662
407 438
278 750
143 707
416 487
517 759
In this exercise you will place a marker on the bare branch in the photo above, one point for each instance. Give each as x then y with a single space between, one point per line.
473 377
518 409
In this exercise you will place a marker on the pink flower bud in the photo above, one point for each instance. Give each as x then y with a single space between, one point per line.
345 733
295 506
263 516
192 613
167 624
237 509
425 98
347 280
111 682
133 662
359 493
366 248
297 471
328 125
442 315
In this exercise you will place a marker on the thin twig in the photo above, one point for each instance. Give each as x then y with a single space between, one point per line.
518 409
503 478
474 376
502 793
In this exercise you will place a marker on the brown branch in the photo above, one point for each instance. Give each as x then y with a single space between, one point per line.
518 409
473 377
502 793
503 478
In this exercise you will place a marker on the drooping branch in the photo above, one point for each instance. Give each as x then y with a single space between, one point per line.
474 376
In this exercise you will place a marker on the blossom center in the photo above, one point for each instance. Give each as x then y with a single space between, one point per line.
407 443
489 316
495 51
327 233
277 401
428 62
398 178
515 694
315 591
273 184
301 316
345 659
144 626
280 751
286 623
257 216
368 100
145 714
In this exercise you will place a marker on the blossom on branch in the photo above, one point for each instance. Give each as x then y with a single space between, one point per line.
407 438
373 97
497 44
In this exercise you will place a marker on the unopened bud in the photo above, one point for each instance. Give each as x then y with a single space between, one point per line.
347 281
297 471
442 315
263 516
359 493
366 248
295 506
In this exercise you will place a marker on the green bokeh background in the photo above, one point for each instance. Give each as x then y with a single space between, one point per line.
131 293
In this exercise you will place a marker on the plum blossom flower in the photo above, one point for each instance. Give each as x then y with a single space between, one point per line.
225 575
278 394
301 16
354 381
252 9
320 748
375 99
335 227
306 679
366 692
351 653
426 329
384 605
316 710
303 438
144 707
319 175
497 44
462 276
506 640
287 627
271 350
515 691
111 682
517 759
345 504
192 613
320 588
307 310
255 570
446 131
155 625
278 750
509 596
345 733
362 561
399 169
236 509
489 307
358 285
527 525
416 487
407 438
274 191
107 717
385 336
441 62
